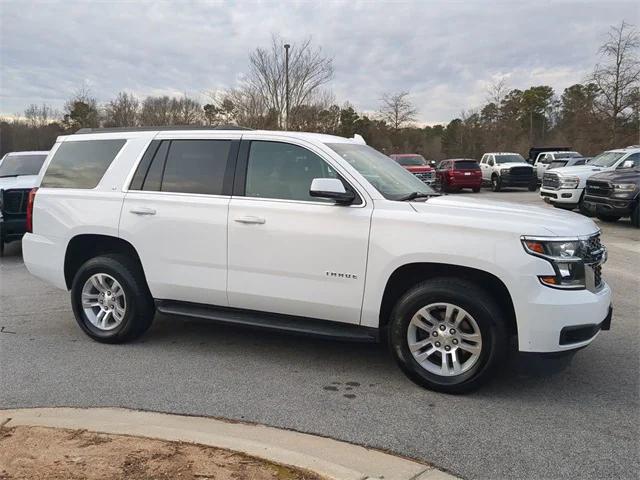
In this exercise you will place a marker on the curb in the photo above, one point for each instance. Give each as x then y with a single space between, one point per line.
330 458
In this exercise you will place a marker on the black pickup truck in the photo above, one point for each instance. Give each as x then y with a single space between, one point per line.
615 194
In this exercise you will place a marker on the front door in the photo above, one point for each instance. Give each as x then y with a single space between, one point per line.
291 253
175 213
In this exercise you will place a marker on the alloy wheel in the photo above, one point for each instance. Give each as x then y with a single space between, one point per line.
104 301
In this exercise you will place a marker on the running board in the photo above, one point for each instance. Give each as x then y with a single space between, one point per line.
270 321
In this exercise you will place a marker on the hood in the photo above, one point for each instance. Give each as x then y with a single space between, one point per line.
22 181
418 168
627 175
513 164
507 216
582 171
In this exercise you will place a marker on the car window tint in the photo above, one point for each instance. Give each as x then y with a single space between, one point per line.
153 177
285 171
143 166
81 164
634 157
196 166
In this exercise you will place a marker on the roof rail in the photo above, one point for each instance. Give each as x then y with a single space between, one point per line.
164 127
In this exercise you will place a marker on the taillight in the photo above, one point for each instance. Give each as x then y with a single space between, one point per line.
32 197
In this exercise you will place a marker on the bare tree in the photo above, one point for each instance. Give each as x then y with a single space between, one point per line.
309 70
81 111
497 91
186 111
397 110
123 111
618 78
40 115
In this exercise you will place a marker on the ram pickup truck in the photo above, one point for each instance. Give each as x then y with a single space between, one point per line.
505 169
417 165
312 234
615 194
546 159
564 187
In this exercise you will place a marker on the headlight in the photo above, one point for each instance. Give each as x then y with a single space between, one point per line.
505 170
569 182
624 187
567 257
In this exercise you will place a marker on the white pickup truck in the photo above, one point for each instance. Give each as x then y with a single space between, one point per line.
545 159
564 187
309 233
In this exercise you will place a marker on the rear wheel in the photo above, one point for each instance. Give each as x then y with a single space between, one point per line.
496 184
635 215
110 299
533 186
476 189
447 335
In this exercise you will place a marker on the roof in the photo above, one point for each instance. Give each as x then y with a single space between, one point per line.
30 152
157 129
406 155
460 160
631 148
501 153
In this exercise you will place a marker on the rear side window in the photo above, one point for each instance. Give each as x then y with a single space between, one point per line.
183 166
81 164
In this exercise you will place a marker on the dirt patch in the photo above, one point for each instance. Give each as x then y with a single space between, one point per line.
60 454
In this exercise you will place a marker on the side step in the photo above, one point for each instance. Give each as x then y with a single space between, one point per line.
270 321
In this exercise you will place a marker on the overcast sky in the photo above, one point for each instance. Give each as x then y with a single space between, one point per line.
445 53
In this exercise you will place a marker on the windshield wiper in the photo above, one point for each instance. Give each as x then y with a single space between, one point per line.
7 176
414 195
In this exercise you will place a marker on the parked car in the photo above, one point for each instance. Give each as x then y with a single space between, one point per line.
18 175
564 187
568 162
309 233
545 160
615 194
505 169
417 165
458 173
535 151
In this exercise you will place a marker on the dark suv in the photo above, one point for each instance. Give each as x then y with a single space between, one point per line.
615 194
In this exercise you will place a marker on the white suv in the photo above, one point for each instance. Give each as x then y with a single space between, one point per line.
506 169
309 233
564 187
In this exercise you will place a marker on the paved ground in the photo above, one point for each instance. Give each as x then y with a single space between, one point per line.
532 422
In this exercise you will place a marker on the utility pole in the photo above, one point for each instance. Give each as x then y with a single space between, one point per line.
286 70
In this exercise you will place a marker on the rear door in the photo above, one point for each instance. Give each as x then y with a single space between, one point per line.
290 253
175 214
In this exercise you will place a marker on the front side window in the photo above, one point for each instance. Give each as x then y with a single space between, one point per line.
392 180
81 164
284 171
634 157
16 165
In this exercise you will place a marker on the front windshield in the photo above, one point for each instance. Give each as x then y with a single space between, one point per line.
557 164
14 165
568 155
411 161
606 159
389 178
509 158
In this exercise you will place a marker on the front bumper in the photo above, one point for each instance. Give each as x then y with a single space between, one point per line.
610 206
561 195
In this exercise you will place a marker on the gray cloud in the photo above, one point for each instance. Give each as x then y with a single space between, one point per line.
444 53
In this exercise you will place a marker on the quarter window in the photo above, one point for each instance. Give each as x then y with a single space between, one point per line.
285 171
81 164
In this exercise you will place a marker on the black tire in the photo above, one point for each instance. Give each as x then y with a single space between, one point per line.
139 310
565 206
533 187
587 212
608 218
468 296
635 215
496 184
476 189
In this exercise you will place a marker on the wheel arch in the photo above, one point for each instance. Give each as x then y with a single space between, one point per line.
83 247
408 275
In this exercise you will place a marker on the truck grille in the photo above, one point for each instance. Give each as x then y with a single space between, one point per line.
14 201
598 188
550 180
520 171
427 177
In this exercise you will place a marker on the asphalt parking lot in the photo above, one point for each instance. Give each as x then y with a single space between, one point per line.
536 420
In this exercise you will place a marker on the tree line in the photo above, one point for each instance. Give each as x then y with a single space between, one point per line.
600 113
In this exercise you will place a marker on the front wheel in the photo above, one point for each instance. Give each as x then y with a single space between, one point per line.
608 218
533 186
447 335
111 300
635 215
496 184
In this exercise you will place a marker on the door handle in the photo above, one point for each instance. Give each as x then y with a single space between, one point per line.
143 211
250 219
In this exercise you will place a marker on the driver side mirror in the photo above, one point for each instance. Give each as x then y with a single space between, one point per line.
331 188
628 164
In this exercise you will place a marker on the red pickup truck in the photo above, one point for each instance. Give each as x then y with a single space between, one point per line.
417 165
458 173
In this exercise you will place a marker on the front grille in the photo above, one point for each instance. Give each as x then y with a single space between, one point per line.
598 188
521 171
15 201
550 180
426 177
597 275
